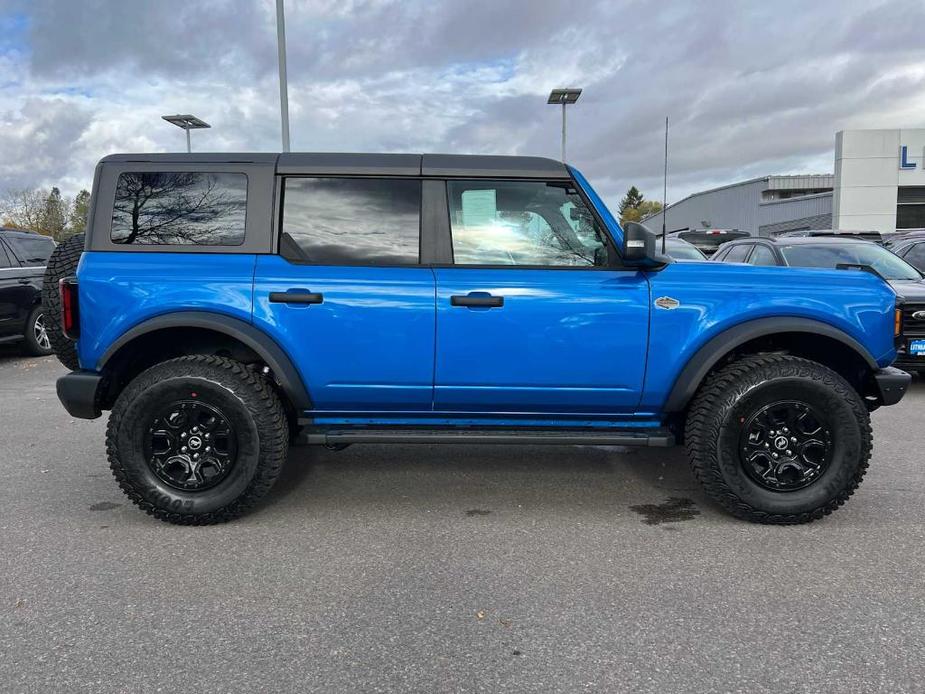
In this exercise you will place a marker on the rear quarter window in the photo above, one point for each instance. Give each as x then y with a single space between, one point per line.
179 209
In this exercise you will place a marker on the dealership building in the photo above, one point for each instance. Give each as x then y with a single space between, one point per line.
878 184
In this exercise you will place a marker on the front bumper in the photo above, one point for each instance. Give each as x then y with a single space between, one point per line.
891 384
79 392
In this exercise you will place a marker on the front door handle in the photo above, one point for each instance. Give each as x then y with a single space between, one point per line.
477 300
25 281
296 298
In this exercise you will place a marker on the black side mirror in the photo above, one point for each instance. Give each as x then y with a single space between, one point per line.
639 246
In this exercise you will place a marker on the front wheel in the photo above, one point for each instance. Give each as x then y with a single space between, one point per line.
197 440
778 439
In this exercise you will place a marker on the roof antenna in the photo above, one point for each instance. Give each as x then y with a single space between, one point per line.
665 189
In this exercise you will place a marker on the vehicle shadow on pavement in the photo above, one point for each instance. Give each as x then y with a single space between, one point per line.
485 478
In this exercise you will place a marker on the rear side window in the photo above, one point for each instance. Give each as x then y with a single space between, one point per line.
527 223
32 251
160 208
351 221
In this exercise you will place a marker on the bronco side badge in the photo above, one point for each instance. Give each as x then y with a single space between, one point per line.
667 302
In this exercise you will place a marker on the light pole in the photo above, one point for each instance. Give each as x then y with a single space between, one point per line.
564 97
187 122
283 83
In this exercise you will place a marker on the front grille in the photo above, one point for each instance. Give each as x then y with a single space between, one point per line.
913 327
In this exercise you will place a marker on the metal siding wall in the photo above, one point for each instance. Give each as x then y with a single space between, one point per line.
795 208
735 207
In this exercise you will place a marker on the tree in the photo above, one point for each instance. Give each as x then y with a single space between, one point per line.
77 219
630 201
634 206
22 208
54 216
643 210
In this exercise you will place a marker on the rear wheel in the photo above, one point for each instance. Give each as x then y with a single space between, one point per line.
197 440
778 439
36 335
62 263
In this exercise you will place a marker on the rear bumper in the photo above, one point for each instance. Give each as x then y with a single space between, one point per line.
891 385
78 391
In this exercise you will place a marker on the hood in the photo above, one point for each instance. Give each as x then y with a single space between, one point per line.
910 290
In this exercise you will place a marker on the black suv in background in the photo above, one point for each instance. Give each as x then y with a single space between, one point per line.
23 256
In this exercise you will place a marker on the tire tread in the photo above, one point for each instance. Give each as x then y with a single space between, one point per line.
256 394
703 429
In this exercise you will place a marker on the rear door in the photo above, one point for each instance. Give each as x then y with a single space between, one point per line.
9 293
535 315
347 295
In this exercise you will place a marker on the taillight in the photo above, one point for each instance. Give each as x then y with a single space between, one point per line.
70 313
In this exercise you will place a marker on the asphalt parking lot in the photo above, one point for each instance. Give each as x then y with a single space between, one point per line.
439 569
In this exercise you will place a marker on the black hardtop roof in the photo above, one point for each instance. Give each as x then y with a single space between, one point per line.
335 163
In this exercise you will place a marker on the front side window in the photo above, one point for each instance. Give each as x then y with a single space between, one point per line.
523 223
180 209
33 250
351 221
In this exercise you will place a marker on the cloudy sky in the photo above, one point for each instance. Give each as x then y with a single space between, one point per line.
751 87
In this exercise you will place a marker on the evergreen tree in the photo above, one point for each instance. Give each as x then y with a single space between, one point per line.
631 200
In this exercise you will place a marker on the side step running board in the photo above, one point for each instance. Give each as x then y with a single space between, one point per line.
585 437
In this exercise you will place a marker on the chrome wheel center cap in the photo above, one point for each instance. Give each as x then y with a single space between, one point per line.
194 443
780 443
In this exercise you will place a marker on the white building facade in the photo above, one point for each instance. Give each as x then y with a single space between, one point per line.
879 180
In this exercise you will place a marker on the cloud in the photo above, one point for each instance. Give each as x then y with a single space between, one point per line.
751 88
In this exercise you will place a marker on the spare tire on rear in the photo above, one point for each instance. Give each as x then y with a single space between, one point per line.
61 264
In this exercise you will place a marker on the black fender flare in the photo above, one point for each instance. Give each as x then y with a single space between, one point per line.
699 365
262 344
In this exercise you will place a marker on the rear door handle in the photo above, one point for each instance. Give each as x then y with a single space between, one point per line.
477 300
296 298
25 281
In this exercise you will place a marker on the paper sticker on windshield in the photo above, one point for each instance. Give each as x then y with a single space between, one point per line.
667 302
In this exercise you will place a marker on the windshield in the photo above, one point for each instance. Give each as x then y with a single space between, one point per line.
680 251
828 255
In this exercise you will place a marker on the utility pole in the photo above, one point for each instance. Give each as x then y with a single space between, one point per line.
283 83
665 190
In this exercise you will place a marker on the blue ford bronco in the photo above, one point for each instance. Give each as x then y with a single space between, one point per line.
225 306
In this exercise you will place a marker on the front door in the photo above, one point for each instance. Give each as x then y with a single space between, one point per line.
347 297
535 315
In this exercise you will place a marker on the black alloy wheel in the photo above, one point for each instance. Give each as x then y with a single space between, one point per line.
191 445
786 445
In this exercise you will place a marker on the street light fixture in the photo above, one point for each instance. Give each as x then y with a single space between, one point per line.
564 97
187 122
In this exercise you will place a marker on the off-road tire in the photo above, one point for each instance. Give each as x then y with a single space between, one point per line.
61 264
250 404
714 423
